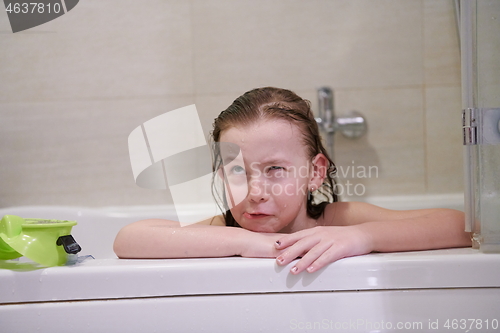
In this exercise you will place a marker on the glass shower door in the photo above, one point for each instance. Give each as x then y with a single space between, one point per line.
480 51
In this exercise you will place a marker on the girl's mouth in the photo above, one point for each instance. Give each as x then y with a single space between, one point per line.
254 216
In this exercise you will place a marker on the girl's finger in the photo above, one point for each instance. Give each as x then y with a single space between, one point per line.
291 239
332 254
296 250
312 256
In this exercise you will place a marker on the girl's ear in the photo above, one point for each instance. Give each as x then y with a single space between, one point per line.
319 170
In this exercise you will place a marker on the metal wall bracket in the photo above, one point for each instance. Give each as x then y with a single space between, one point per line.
469 126
481 126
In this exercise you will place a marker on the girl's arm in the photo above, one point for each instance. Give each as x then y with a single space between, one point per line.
394 230
354 228
156 238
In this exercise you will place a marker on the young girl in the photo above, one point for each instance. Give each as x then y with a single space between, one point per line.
287 208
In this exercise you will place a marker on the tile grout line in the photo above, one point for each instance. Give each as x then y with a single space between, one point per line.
424 104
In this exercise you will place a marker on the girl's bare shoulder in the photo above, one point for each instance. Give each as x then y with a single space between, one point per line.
335 214
352 212
216 220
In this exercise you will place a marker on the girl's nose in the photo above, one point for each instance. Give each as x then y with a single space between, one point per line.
257 190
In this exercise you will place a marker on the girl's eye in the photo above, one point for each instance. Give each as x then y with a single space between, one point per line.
275 171
238 170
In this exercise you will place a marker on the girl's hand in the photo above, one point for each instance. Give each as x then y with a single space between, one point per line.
320 246
260 245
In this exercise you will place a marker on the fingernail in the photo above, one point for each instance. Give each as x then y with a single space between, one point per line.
294 269
278 242
310 269
280 259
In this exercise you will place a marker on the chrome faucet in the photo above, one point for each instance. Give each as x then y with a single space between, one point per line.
351 126
325 102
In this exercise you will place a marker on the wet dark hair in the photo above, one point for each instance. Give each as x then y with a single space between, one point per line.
266 103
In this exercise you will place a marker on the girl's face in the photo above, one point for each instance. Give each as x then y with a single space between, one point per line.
269 184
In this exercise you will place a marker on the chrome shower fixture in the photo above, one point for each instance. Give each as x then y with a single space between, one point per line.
352 125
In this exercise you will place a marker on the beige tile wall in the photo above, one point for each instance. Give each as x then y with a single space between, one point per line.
72 90
488 17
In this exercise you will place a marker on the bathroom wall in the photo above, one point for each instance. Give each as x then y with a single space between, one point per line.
71 90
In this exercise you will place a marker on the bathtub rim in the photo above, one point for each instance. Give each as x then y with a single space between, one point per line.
410 201
138 278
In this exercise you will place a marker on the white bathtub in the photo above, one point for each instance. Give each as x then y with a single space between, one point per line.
451 290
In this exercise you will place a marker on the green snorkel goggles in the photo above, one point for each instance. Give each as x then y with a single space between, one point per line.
47 242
